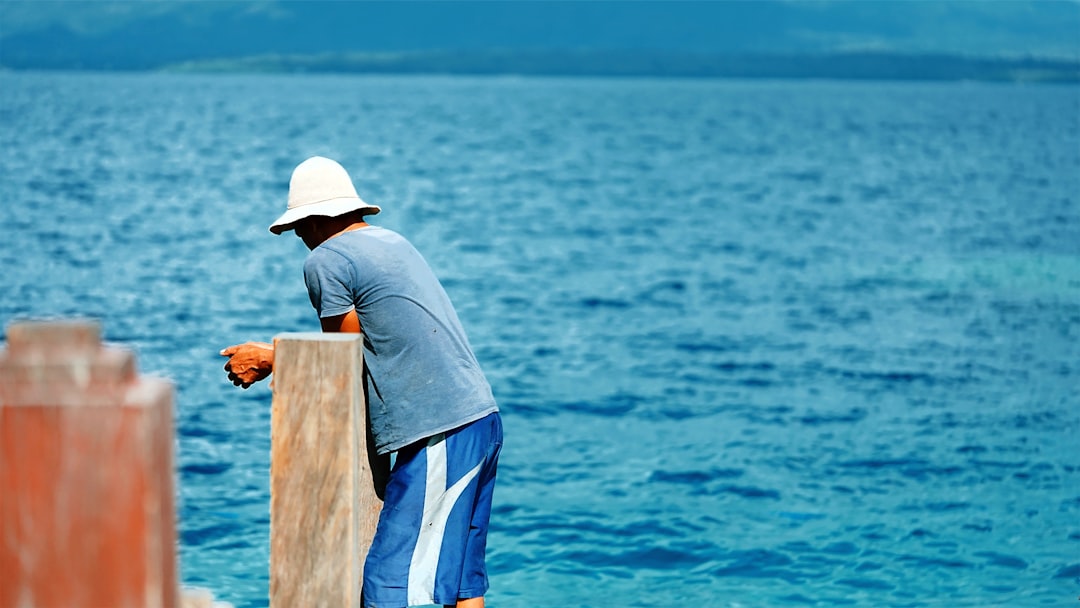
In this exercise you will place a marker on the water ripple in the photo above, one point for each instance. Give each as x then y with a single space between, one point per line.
785 343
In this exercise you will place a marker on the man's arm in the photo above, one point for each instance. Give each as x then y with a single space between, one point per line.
254 361
380 465
347 323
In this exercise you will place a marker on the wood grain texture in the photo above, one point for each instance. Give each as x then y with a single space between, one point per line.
86 474
323 505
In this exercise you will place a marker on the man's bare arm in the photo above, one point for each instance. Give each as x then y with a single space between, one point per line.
254 361
347 323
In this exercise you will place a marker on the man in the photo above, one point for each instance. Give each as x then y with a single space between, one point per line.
428 400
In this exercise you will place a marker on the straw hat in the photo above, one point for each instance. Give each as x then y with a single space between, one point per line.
320 186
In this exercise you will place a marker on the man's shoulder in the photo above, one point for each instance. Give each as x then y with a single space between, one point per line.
365 236
377 239
325 255
381 233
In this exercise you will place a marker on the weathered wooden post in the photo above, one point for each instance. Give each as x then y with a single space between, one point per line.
86 474
323 504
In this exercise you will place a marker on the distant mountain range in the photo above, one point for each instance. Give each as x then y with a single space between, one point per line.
1000 40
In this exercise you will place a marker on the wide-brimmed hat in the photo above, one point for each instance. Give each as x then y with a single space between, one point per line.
320 186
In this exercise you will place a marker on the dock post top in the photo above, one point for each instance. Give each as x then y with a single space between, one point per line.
53 337
65 362
318 336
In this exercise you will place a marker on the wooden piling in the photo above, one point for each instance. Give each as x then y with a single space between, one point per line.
323 503
86 474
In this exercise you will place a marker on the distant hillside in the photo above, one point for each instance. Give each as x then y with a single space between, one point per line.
1033 40
861 66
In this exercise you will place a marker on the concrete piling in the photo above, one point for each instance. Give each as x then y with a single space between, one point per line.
86 473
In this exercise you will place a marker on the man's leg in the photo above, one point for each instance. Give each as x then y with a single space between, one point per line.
473 573
479 442
386 570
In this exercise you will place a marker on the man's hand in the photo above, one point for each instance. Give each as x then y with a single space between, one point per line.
248 363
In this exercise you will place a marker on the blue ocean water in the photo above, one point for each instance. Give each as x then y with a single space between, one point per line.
756 343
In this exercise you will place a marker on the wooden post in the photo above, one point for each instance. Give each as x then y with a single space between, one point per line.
86 474
323 504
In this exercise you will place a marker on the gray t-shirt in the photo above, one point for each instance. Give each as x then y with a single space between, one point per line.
423 378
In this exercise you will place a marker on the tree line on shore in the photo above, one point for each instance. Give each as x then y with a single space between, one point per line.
854 65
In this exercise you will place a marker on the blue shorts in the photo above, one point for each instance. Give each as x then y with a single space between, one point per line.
432 532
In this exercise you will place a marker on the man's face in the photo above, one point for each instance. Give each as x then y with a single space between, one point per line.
308 232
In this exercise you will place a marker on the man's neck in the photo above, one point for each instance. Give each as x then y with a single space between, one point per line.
349 228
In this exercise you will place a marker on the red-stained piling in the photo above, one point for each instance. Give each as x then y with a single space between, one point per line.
86 473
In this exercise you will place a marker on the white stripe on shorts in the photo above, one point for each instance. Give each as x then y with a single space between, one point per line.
438 502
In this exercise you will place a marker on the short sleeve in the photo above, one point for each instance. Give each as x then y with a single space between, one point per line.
328 277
